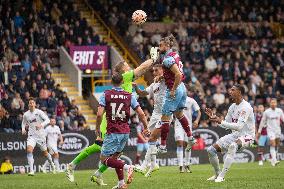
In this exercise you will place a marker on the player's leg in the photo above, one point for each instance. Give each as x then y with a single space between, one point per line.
187 156
277 144
155 118
260 149
272 149
240 143
140 148
179 138
214 160
114 144
56 161
31 143
43 147
152 151
169 107
83 155
181 91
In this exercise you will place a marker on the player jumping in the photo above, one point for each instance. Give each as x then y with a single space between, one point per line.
129 76
271 119
240 119
116 103
175 97
35 120
157 91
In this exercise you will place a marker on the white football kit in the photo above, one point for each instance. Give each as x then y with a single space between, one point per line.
52 135
240 119
190 105
35 136
272 119
157 91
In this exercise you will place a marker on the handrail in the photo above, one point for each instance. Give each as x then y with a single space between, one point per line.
111 34
99 81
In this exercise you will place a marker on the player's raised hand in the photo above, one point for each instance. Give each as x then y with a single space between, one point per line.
209 112
154 54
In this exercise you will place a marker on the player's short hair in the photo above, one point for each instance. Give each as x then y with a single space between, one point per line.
31 99
118 67
171 41
116 78
157 66
240 88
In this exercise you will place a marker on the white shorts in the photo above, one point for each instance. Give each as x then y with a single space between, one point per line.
272 135
154 121
52 148
33 141
179 132
225 141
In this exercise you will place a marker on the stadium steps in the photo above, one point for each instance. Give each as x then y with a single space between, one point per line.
72 92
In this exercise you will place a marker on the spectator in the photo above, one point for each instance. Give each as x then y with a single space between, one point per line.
60 108
7 123
18 20
210 64
218 97
6 166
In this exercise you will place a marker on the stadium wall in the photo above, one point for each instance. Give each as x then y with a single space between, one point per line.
14 146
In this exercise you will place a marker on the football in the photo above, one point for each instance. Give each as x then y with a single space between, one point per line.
139 17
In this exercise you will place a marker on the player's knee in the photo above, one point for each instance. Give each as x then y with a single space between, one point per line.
212 151
233 148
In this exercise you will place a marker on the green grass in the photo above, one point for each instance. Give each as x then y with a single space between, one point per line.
248 175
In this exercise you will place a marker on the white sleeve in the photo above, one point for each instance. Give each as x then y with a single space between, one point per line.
195 105
243 117
281 115
44 118
149 90
262 122
24 122
228 117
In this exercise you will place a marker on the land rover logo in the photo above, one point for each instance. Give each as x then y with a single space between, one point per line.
74 143
244 156
209 136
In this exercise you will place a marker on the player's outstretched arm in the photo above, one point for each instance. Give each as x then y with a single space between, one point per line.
140 92
143 119
145 66
196 122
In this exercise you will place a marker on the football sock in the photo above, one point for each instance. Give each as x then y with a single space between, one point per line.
30 161
187 156
180 155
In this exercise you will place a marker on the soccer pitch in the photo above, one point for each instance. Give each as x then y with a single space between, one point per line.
248 175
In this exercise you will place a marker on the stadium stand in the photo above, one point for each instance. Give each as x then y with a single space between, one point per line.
30 35
218 40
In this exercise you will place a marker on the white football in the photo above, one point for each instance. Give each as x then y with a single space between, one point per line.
139 17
